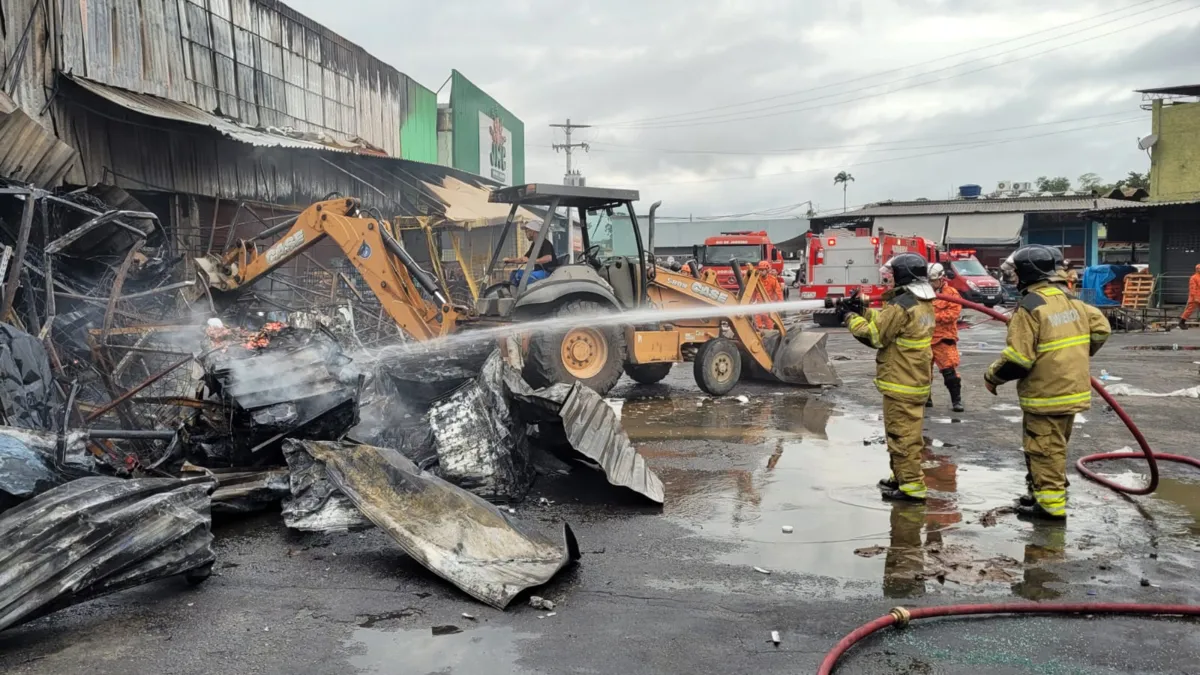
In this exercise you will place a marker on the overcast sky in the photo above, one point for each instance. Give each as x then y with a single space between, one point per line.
733 106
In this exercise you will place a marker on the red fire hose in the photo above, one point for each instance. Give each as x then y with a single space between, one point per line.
900 616
1152 458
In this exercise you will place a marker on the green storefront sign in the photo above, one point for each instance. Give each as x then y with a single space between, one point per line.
488 139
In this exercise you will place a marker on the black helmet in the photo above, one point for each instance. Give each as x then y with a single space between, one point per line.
907 268
1031 264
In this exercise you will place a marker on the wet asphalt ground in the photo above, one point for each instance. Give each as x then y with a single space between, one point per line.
675 589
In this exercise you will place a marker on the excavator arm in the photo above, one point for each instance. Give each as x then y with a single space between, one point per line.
395 278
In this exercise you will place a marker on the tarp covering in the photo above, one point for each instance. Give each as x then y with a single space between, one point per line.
27 397
1096 277
455 534
98 535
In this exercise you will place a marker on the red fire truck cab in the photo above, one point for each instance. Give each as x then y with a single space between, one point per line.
970 278
748 248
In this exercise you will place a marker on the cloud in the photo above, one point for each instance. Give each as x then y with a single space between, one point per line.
663 79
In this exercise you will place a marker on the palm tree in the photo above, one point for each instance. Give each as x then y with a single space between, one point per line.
843 178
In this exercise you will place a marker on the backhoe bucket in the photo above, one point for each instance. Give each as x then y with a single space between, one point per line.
798 358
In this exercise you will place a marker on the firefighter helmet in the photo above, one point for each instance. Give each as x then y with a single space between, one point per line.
905 269
1031 264
936 271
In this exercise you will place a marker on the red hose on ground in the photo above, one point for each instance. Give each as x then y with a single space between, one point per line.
901 617
1152 458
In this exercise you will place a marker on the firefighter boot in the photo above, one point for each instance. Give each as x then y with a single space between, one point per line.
954 386
1183 324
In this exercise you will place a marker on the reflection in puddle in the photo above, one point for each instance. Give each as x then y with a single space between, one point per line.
813 472
477 651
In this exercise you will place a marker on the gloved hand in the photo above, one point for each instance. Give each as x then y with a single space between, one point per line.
851 304
987 384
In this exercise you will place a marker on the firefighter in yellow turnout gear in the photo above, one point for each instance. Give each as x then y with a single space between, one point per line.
1051 339
902 332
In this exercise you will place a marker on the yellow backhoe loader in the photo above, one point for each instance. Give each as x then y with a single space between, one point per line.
614 273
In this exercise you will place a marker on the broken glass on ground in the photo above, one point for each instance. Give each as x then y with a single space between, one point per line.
455 534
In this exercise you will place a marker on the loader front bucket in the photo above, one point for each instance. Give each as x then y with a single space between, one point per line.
799 358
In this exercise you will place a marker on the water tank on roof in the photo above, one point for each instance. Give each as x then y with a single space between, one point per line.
969 191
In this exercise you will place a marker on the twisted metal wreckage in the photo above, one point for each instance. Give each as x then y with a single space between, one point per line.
131 412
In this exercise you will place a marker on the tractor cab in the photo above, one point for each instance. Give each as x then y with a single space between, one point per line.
606 265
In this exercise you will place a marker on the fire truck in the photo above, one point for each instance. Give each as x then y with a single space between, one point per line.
748 248
839 261
970 278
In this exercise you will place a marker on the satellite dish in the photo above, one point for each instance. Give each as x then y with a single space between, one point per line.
1147 142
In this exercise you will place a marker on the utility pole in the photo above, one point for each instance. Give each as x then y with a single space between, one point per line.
571 177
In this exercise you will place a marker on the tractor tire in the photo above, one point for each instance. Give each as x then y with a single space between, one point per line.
826 318
647 373
594 356
718 366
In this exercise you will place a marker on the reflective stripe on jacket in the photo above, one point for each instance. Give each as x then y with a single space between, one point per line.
1051 338
902 332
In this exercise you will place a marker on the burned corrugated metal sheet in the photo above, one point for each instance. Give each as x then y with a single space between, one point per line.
481 445
30 153
453 533
95 536
594 431
257 61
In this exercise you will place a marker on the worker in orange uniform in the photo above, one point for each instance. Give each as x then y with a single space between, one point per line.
772 292
945 337
1193 299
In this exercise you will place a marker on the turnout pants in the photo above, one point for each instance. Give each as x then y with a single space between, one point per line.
903 422
1191 308
1045 444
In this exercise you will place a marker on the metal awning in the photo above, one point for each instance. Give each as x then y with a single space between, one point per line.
467 205
986 229
162 108
929 226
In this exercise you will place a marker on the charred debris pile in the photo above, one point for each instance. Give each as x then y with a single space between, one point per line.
132 409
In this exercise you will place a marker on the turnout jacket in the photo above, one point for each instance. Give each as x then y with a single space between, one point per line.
902 332
1051 339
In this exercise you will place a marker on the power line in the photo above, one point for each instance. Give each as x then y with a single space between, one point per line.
570 178
886 72
711 120
788 151
966 146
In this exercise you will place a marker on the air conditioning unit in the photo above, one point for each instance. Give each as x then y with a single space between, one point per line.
1023 187
1004 186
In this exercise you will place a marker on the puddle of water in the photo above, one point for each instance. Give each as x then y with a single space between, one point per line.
724 419
476 651
1182 499
821 483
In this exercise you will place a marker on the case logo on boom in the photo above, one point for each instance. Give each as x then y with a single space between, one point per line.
709 292
284 247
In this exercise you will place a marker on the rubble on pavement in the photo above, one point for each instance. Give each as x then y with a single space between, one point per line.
134 405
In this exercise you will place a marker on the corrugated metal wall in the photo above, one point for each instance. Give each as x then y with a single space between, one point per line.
466 102
258 61
418 133
26 61
139 152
